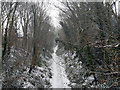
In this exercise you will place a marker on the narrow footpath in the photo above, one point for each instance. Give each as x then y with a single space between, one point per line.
59 77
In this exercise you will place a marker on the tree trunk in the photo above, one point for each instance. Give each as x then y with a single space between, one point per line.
34 57
10 30
6 34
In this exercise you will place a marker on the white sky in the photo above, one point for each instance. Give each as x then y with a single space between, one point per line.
54 12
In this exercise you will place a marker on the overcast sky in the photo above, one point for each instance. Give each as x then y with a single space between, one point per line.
54 12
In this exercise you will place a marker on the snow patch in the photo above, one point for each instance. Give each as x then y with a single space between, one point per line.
28 85
89 80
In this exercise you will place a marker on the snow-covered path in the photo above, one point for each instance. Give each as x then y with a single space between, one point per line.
59 78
